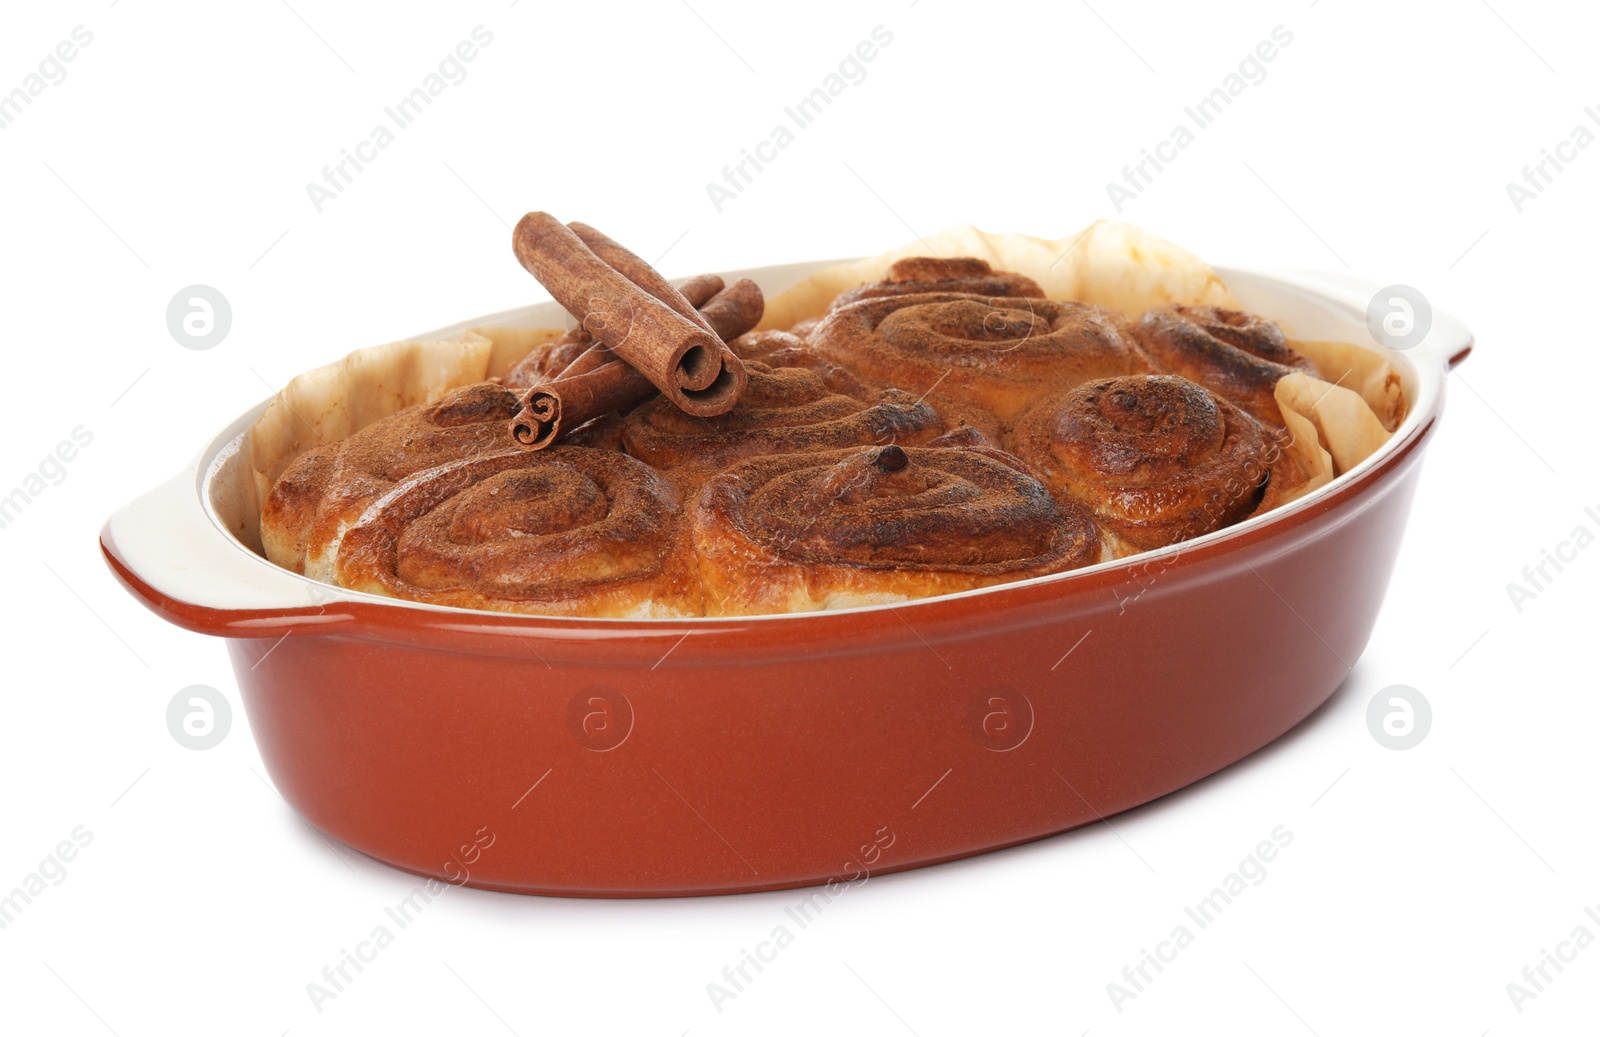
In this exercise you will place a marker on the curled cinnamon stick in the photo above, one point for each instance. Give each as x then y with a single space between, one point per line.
620 300
551 410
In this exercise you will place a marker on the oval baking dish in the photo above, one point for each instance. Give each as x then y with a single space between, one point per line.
681 757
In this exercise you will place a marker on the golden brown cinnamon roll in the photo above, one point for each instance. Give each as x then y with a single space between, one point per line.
1237 355
1157 458
921 274
797 532
566 531
783 411
994 355
327 487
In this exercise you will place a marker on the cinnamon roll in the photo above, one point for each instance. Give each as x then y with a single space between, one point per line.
1156 458
327 487
797 532
920 274
1238 355
566 531
783 411
992 356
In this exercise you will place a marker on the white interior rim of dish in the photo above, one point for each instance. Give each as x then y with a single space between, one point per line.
1422 369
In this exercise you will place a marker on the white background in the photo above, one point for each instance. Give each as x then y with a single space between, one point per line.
177 151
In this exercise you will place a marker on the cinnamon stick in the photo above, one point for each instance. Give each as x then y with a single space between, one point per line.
561 357
551 410
597 382
700 289
642 274
735 309
727 378
597 355
730 312
648 324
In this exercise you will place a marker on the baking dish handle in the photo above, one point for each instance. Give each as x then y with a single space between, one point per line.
168 550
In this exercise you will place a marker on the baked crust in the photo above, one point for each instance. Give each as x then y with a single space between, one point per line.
568 531
1240 356
785 410
918 275
325 489
799 532
1156 458
992 356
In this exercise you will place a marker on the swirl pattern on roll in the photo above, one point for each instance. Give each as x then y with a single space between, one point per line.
1239 356
1157 458
996 356
567 531
782 411
836 529
918 275
326 487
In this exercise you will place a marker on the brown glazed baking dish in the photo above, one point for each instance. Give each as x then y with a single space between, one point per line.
679 757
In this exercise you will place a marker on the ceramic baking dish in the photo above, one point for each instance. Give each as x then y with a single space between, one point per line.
678 757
